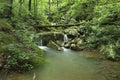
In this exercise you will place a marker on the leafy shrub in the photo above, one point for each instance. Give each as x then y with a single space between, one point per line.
5 26
72 31
109 51
17 48
106 39
82 10
107 14
19 56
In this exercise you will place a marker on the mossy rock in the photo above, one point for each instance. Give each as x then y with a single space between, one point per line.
72 31
48 36
80 42
77 48
59 42
67 45
55 46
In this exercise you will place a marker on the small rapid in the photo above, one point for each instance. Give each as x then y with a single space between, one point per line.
65 39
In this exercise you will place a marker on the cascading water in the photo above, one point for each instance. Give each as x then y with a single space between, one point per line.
65 39
41 42
41 45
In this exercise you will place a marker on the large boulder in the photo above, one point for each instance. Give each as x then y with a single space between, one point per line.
59 42
72 32
75 44
53 45
67 45
77 48
46 37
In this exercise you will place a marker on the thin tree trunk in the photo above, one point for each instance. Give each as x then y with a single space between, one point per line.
21 2
49 2
35 8
35 11
30 5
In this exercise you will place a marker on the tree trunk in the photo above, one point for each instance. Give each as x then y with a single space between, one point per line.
20 7
49 3
30 5
35 8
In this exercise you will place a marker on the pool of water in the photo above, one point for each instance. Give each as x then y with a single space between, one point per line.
71 65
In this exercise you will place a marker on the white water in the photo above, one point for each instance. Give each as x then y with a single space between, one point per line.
41 42
65 39
65 49
43 47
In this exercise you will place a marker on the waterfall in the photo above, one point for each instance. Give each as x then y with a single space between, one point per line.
41 42
65 38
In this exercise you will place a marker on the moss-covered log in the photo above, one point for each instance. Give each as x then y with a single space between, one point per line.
59 25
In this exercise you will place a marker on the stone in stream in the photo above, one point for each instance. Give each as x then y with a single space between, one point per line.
75 44
53 45
67 45
78 48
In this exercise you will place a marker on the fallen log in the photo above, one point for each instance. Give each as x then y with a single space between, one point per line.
59 25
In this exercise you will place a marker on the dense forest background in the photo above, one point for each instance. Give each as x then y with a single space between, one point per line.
99 29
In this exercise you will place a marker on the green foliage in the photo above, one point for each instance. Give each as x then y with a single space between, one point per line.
17 48
16 40
5 26
6 39
107 14
108 50
106 39
19 57
82 10
72 31
2 6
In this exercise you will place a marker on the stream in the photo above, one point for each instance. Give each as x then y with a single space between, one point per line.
71 65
